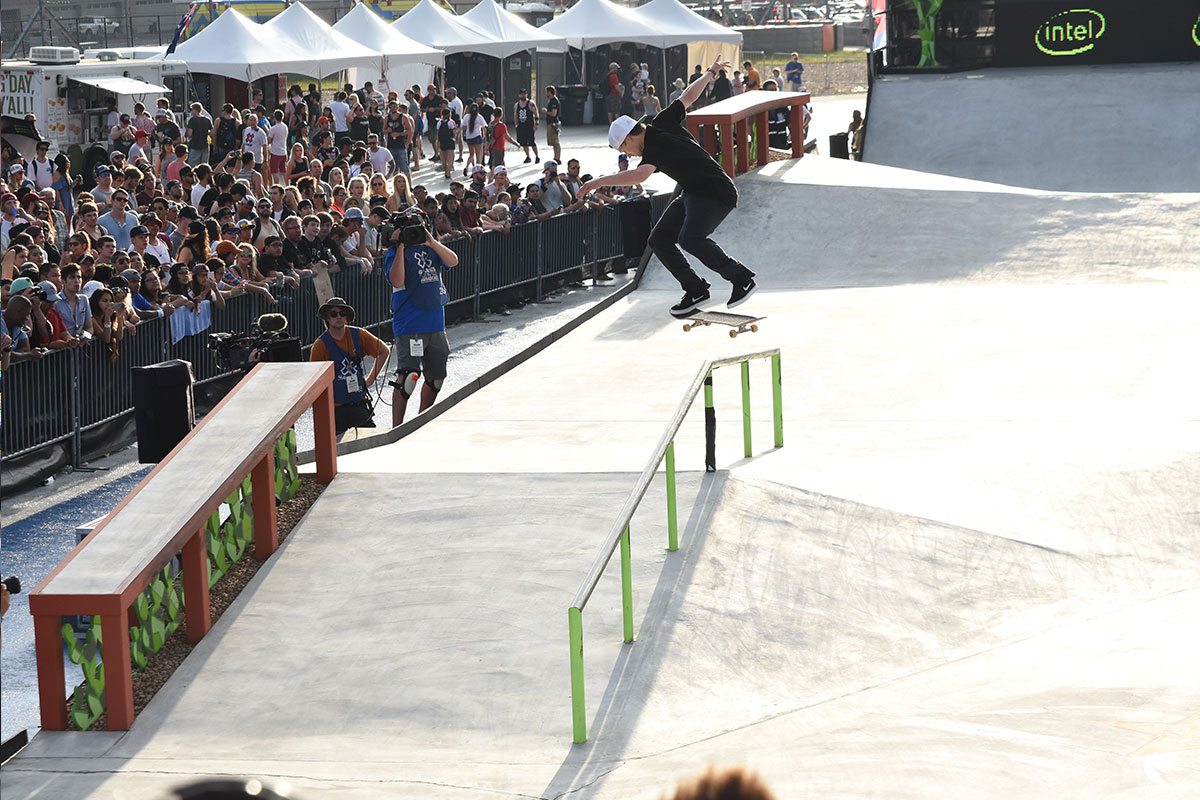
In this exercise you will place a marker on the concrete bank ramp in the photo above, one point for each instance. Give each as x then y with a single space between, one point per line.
1109 128
422 652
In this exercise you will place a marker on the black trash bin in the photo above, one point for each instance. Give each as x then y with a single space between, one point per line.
573 99
163 407
839 145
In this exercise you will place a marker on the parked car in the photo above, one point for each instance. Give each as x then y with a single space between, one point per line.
95 26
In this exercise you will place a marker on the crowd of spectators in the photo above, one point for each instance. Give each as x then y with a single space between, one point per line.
192 211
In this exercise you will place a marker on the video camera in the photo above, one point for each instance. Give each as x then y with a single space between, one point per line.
267 341
411 226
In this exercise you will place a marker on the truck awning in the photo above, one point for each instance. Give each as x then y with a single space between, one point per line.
119 84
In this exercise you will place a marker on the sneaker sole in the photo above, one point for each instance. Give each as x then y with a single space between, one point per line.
687 312
738 302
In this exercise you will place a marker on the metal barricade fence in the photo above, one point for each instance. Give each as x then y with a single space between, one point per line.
53 399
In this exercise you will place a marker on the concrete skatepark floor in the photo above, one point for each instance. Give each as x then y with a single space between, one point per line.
971 568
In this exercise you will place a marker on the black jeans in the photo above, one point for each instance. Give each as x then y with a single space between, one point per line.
353 415
688 222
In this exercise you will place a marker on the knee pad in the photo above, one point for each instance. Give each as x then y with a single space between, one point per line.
408 385
436 386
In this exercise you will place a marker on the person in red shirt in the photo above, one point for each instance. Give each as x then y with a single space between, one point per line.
500 137
49 329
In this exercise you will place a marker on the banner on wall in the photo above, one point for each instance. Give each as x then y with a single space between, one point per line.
879 13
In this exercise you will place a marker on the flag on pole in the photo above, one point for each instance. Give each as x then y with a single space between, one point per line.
879 12
182 26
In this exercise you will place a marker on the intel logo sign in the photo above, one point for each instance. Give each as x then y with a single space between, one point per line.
1070 33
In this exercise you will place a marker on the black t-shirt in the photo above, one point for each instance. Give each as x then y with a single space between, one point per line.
375 124
524 114
167 131
360 127
198 130
552 110
673 151
432 107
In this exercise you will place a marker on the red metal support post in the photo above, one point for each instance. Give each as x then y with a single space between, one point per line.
727 148
266 519
326 443
118 672
48 645
196 606
742 130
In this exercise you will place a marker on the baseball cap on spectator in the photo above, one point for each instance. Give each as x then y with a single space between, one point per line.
478 168
452 90
124 118
140 135
15 168
102 170
90 288
4 198
131 275
20 285
190 212
623 157
499 170
549 163
139 230
322 119
229 229
353 213
173 183
196 227
118 282
242 224
620 128
381 212
224 247
162 112
148 219
49 290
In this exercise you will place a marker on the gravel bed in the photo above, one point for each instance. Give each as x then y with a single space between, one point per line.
164 663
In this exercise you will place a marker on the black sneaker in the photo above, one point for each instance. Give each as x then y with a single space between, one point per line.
741 292
526 159
690 303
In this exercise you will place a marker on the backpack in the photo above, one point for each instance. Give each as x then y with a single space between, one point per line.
603 87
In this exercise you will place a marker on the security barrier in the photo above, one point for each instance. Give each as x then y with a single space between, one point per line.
69 392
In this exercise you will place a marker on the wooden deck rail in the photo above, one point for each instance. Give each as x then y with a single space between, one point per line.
166 514
732 118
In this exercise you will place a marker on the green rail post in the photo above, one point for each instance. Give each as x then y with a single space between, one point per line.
777 398
578 710
627 585
749 450
672 513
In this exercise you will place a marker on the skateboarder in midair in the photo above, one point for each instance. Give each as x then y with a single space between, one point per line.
707 196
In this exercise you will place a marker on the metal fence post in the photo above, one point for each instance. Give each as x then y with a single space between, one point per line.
749 451
539 267
578 708
710 426
777 398
595 246
478 283
672 512
627 585
76 412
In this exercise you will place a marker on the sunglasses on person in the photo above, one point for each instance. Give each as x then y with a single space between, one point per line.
321 195
120 199
339 313
43 149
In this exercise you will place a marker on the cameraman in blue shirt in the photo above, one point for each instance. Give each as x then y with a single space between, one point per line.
413 266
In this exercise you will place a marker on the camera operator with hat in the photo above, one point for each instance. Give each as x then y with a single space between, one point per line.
413 266
346 345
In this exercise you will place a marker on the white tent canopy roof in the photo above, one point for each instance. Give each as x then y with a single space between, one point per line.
510 30
677 24
366 27
430 24
591 23
237 47
327 50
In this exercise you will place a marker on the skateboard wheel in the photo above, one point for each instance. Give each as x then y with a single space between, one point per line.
686 327
733 334
754 329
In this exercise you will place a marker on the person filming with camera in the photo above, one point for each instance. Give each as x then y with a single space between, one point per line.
345 345
413 266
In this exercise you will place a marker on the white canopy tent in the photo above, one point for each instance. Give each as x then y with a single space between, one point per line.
236 47
678 25
430 24
327 50
591 23
510 30
406 61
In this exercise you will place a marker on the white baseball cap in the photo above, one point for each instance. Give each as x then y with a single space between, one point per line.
620 128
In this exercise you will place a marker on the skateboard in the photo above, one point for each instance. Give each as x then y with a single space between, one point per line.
739 323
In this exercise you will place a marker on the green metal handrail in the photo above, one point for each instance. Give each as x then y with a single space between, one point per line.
619 534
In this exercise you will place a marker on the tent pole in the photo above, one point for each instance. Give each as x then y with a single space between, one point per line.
666 79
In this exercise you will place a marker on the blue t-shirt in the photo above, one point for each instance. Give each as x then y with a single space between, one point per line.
417 308
63 187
